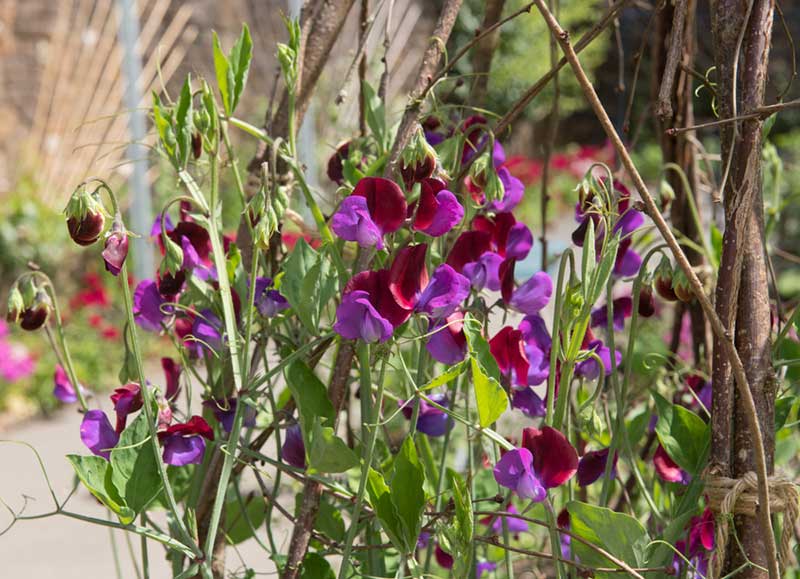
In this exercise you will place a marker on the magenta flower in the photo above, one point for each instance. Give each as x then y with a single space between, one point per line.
623 308
438 296
666 468
368 310
63 389
149 307
509 237
97 433
127 399
533 295
469 247
447 343
443 558
16 362
431 420
508 349
184 443
172 376
438 210
592 465
377 206
268 301
116 248
293 450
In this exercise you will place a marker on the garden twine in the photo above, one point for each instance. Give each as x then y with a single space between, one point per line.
731 496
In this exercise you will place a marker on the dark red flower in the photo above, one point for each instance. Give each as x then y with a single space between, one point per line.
385 202
469 247
408 275
508 349
554 458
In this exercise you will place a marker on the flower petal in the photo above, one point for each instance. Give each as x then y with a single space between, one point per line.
353 222
408 275
445 292
97 433
533 295
555 460
385 201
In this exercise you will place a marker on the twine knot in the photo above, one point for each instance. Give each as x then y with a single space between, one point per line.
739 496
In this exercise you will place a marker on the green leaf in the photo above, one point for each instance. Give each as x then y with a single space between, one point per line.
310 396
134 469
239 60
316 567
603 271
716 244
241 523
491 399
381 502
407 492
375 114
588 256
458 534
221 67
683 435
95 474
184 124
308 284
163 127
619 534
329 521
447 376
783 406
329 453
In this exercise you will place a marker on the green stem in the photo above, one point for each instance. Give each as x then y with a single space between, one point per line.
555 543
567 258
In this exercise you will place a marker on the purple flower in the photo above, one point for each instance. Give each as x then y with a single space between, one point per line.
444 293
484 272
628 261
589 368
482 567
537 348
207 331
623 308
353 222
293 450
431 420
97 434
520 241
528 402
155 230
377 206
515 524
127 399
191 259
148 306
514 190
533 295
268 301
447 343
515 471
592 465
63 389
437 211
423 540
225 411
184 443
357 318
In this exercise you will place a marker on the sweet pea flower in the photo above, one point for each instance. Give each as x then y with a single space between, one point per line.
368 310
116 248
447 343
268 301
184 443
666 468
225 411
63 389
97 433
508 349
293 450
523 354
545 460
437 211
127 399
423 540
172 376
482 567
528 402
533 295
438 296
537 348
592 465
207 332
431 420
443 558
149 307
623 308
485 272
698 550
589 368
468 248
376 207
515 524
